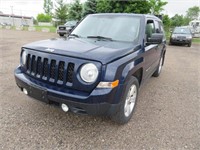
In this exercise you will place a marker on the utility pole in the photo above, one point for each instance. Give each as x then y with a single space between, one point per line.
12 14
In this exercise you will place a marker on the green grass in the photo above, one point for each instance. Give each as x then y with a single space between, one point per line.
51 28
196 40
37 28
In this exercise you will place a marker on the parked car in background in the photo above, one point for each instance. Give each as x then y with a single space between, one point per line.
5 24
67 27
181 35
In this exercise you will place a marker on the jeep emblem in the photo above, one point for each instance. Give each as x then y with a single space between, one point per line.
50 49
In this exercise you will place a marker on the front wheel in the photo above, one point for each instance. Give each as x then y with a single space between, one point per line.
61 34
128 102
189 44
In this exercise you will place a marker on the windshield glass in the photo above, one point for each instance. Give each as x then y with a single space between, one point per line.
119 28
71 23
182 31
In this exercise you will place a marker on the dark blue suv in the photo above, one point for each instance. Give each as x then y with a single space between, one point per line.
98 68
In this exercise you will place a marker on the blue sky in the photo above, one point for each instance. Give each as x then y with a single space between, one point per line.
33 7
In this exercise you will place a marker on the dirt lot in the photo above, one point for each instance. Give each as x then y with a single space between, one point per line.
167 115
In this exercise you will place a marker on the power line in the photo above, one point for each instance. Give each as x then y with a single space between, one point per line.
18 10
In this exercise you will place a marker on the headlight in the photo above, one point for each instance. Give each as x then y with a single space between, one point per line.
189 37
89 73
23 57
173 36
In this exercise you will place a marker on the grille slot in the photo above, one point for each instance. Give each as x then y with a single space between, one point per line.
39 66
28 62
62 28
61 68
70 70
33 65
53 69
50 70
45 66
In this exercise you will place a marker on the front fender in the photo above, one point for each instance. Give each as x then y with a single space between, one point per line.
121 70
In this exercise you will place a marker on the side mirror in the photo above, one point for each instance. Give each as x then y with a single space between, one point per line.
156 38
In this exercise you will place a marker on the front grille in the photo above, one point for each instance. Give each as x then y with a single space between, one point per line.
50 69
181 37
62 28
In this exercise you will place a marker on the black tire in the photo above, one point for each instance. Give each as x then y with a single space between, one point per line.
120 116
189 44
61 34
158 70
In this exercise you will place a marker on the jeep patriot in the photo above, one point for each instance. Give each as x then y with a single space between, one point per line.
98 68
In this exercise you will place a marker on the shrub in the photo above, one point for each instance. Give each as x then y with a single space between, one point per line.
43 18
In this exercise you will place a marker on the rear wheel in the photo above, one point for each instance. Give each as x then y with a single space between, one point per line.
159 68
128 102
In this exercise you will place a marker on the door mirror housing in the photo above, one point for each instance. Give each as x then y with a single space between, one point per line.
156 38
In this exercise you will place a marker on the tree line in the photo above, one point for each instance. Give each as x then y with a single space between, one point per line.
76 10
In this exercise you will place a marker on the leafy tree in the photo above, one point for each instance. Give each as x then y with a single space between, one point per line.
156 6
61 11
43 18
177 20
140 7
48 6
128 6
193 13
186 20
75 10
103 6
89 7
166 21
35 22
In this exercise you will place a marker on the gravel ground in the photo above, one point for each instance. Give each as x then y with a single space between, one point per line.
167 114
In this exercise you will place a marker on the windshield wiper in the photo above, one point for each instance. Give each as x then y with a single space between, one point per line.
101 37
75 35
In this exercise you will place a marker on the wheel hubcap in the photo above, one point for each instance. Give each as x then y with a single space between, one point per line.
160 65
130 100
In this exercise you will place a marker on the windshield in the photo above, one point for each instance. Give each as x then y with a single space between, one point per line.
71 23
119 28
182 31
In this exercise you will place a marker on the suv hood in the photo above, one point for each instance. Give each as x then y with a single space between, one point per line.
102 51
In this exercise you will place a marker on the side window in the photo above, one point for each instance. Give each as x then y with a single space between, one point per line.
161 28
157 27
150 28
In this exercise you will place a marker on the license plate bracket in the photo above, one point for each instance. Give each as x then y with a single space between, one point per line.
38 93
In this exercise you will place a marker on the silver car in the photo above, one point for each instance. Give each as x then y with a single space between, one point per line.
67 27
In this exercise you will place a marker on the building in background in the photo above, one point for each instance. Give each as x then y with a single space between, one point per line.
15 20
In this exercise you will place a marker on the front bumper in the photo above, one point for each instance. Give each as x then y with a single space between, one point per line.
180 41
96 103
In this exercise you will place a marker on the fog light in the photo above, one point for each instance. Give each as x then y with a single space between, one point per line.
64 107
25 91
